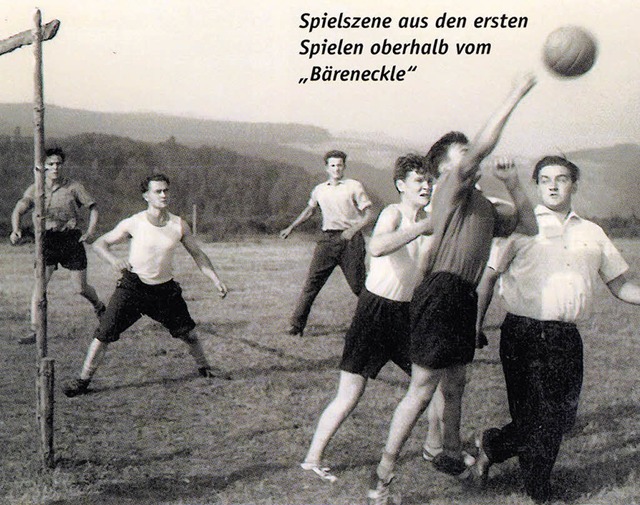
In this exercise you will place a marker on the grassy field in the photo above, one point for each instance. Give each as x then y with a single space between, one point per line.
153 432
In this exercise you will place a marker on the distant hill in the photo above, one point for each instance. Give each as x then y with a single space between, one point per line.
610 175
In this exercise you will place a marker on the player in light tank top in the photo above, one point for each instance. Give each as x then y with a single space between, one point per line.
147 286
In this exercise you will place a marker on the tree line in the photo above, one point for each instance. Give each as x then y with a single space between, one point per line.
233 194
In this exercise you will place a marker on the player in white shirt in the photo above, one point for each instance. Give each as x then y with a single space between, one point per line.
380 328
147 286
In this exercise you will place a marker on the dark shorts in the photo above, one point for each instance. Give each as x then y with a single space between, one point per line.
443 321
63 248
379 333
132 299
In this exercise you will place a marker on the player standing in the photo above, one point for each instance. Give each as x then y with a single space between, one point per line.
147 285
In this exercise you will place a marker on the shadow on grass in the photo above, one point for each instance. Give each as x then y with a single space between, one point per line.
169 489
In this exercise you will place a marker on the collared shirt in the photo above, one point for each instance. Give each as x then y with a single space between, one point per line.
61 203
551 277
341 203
395 275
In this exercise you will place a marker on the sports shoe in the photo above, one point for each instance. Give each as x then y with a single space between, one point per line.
99 310
29 339
209 373
428 453
379 494
449 465
323 472
76 387
480 469
295 330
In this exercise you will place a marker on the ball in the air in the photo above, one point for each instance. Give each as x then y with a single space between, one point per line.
570 51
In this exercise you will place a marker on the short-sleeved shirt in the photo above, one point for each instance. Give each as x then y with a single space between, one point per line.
341 203
465 222
62 203
395 275
152 247
551 277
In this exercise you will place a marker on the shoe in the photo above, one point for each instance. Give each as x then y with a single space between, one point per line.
99 310
480 469
76 387
31 339
429 453
295 330
380 494
323 472
449 465
209 373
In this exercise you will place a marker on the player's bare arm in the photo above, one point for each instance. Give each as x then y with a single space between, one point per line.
625 290
486 140
367 217
103 245
524 220
91 227
19 210
304 215
387 238
202 260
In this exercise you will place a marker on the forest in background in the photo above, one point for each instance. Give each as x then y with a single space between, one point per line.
233 194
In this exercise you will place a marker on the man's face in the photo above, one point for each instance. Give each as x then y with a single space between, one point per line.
53 167
455 153
555 187
158 194
416 188
335 168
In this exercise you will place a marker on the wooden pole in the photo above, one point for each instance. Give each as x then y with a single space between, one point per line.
44 382
194 226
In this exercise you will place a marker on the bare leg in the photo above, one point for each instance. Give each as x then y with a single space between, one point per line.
421 388
350 389
196 350
96 352
433 443
453 383
87 291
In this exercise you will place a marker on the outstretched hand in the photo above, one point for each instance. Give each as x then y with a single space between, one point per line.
523 83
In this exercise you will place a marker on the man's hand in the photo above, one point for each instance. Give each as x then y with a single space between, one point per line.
286 232
523 84
505 170
15 236
348 234
222 289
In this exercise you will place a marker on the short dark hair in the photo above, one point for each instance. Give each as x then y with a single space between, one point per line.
334 153
440 149
144 185
556 160
408 163
55 151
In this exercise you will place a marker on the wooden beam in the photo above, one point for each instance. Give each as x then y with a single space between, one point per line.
25 38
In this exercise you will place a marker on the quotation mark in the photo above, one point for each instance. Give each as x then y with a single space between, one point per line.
302 80
412 68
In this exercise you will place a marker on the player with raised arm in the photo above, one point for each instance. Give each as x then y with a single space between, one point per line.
443 308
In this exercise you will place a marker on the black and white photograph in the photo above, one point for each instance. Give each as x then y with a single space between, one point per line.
320 252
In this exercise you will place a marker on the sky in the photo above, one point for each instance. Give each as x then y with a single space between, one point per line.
240 61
